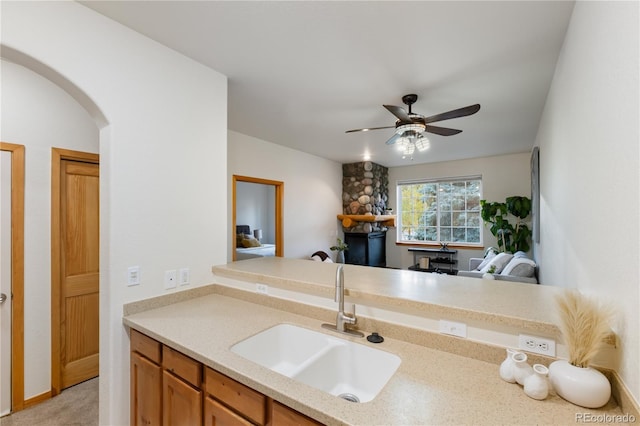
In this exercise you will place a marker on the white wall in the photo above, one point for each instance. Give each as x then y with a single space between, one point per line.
589 164
502 176
163 160
39 115
312 190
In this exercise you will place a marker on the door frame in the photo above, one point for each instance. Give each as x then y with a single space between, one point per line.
57 156
279 187
17 273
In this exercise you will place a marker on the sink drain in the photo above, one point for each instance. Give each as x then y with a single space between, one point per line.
349 397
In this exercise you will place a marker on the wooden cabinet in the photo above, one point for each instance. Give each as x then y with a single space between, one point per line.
181 394
169 388
181 403
281 415
146 391
243 399
216 414
146 381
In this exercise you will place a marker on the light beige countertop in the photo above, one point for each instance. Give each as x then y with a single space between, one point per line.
528 307
430 387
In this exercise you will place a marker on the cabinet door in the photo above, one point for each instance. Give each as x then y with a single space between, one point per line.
181 403
146 392
216 414
285 416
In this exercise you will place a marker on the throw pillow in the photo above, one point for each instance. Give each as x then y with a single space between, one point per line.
488 258
520 267
250 242
500 261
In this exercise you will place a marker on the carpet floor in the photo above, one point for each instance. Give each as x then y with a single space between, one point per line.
75 406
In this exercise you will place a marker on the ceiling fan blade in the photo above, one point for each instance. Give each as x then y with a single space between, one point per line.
370 128
443 131
393 139
460 112
399 112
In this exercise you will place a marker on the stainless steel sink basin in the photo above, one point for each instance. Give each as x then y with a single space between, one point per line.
334 365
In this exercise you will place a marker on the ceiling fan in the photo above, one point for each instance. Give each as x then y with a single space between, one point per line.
411 126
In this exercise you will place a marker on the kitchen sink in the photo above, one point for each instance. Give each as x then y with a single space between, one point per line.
353 371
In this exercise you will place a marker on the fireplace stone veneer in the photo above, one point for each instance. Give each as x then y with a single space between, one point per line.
365 191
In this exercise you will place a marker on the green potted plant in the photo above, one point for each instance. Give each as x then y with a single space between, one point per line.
340 248
511 238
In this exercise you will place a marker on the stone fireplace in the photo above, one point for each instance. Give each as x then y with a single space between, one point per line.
365 191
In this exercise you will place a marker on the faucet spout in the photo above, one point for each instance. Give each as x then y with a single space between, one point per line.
340 287
342 318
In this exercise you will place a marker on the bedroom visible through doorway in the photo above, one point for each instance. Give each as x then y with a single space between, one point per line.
257 213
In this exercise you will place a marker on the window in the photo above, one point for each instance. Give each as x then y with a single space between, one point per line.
434 211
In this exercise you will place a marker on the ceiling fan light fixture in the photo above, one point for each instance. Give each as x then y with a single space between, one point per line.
409 149
422 144
413 128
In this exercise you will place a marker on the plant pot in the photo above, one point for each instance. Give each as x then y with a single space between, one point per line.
521 368
536 385
507 366
340 257
586 387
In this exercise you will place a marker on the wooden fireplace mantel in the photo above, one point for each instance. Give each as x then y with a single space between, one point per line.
349 220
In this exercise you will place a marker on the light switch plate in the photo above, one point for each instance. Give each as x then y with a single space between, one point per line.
184 276
133 275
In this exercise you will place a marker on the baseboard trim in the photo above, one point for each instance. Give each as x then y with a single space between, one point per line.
37 399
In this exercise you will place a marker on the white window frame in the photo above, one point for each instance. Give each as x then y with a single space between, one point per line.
399 224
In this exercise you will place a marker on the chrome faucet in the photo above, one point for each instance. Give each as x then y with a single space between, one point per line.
342 319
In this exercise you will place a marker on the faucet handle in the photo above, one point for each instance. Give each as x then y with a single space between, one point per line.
352 312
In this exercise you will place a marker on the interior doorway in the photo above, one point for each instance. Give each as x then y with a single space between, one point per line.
277 202
75 248
12 277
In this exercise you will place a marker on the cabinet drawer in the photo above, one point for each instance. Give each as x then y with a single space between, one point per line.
146 346
245 400
216 414
285 416
182 366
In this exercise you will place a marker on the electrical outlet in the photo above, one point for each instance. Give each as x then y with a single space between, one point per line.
453 328
262 288
133 275
170 278
538 345
184 276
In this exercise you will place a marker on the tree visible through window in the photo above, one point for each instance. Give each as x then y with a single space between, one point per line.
440 211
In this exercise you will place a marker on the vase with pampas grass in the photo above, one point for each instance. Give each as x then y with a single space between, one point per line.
584 323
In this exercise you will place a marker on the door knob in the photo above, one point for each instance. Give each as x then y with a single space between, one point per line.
3 297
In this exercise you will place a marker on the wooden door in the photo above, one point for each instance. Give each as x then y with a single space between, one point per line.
146 392
181 403
79 271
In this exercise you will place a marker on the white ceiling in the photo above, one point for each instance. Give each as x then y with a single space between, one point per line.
301 73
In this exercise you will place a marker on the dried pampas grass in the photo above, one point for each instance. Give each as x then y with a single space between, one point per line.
584 323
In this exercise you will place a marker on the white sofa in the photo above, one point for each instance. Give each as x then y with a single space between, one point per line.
509 267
